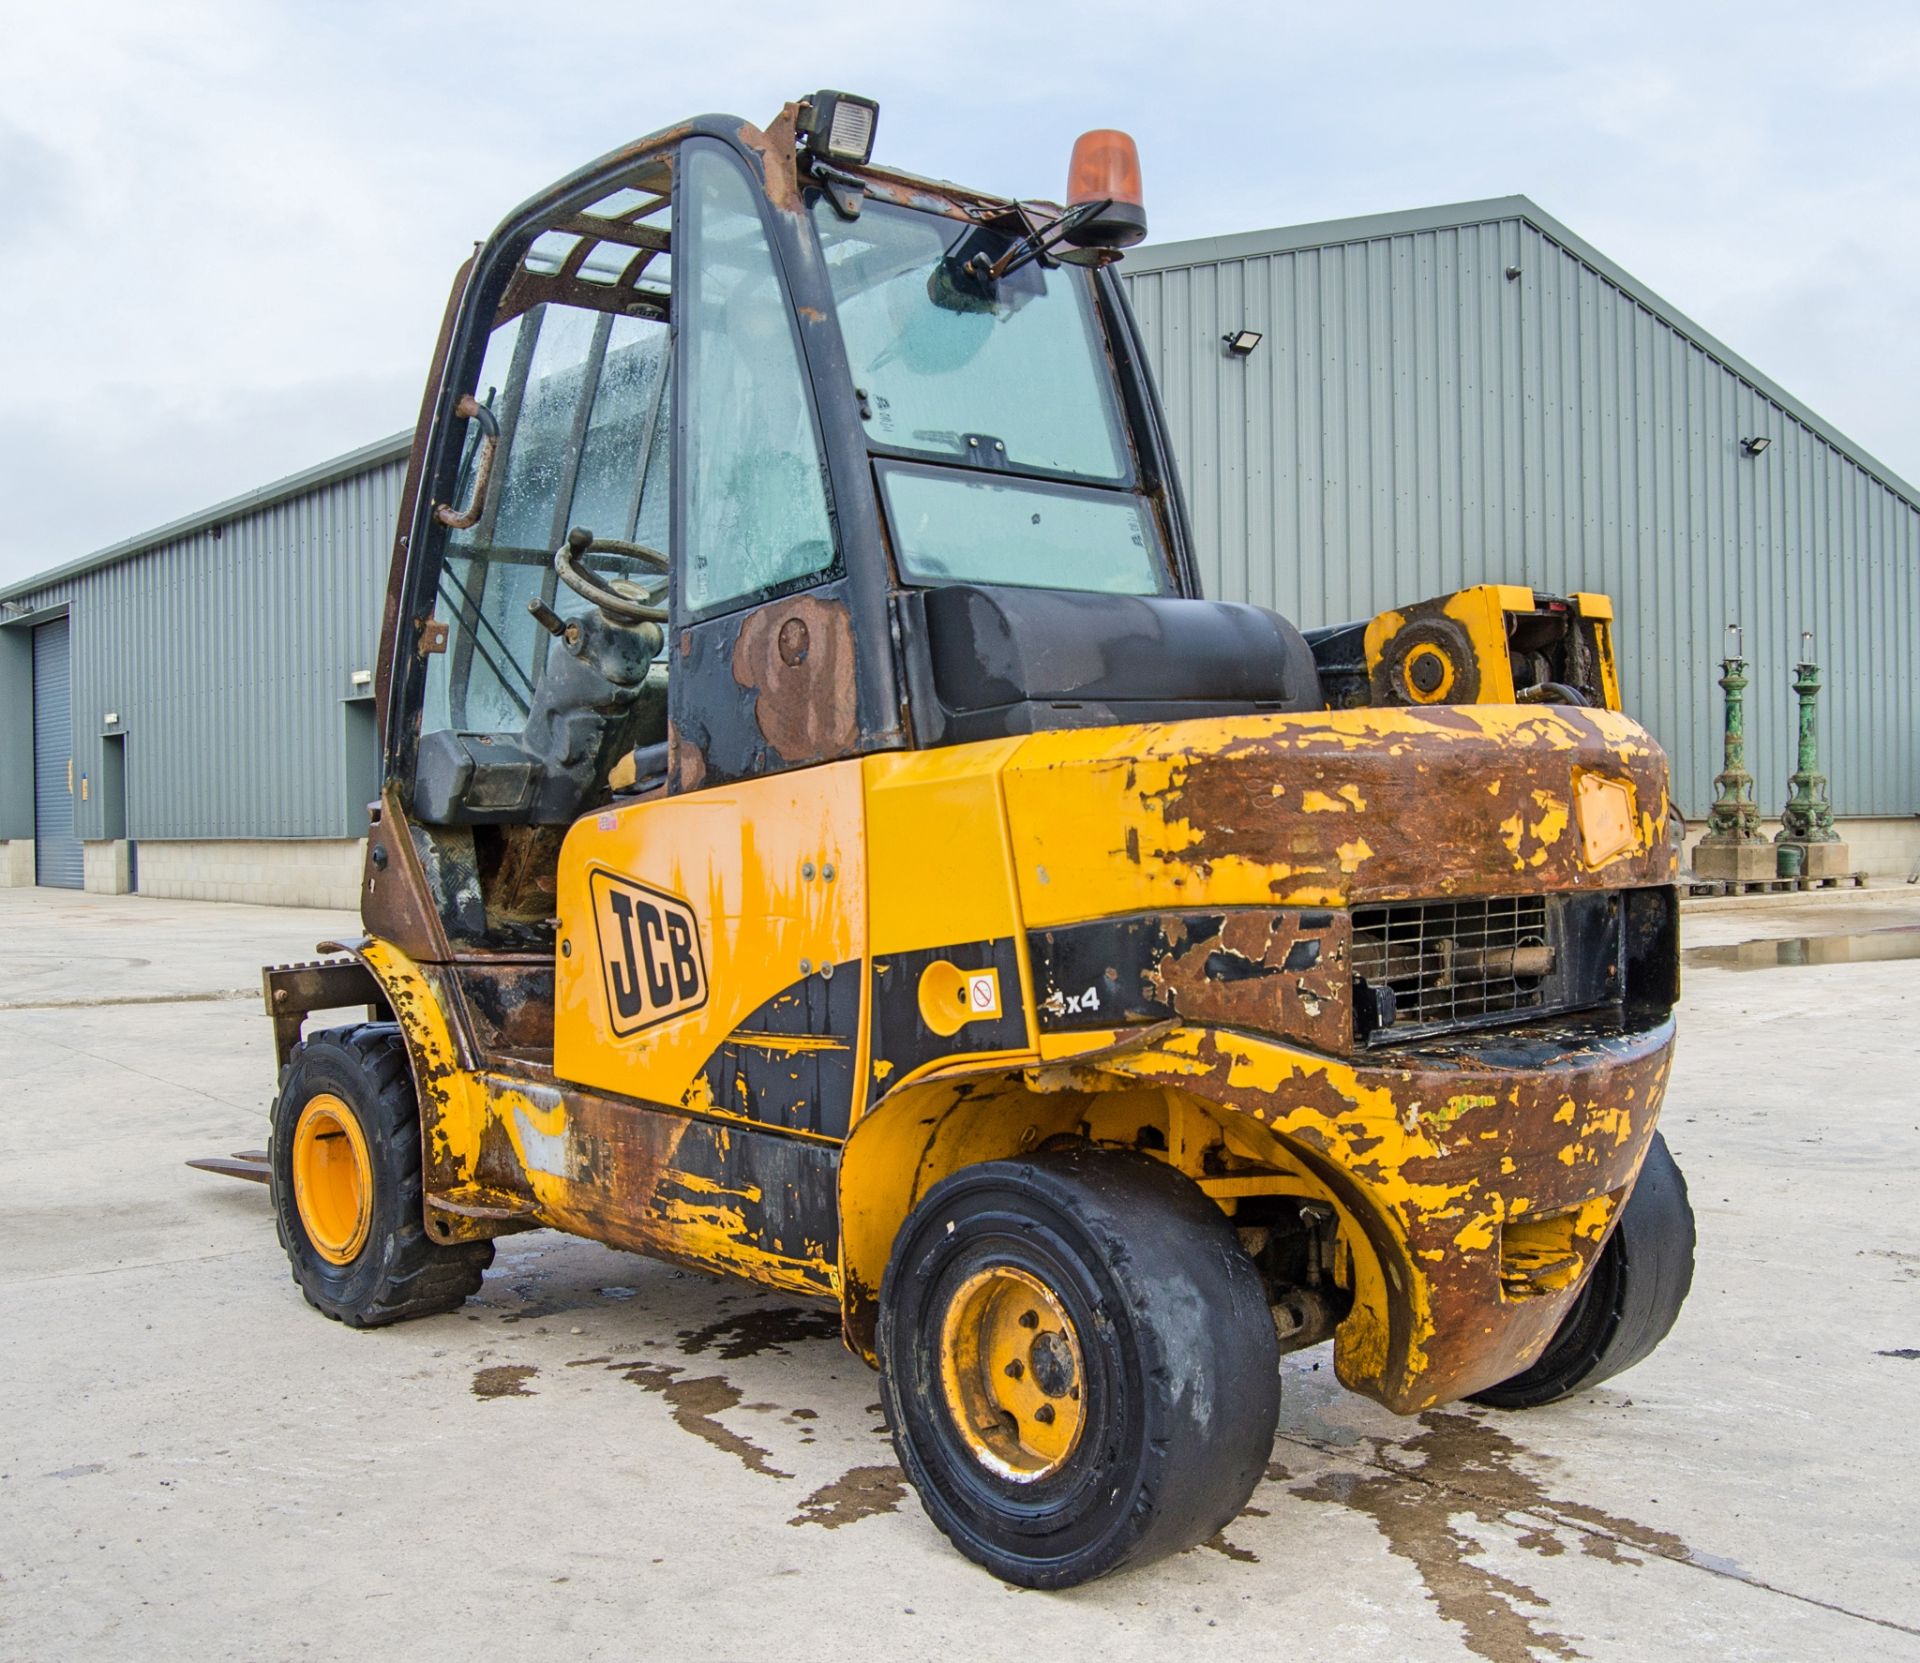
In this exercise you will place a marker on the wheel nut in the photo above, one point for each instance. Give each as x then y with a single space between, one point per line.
1029 1319
1044 1414
1015 1369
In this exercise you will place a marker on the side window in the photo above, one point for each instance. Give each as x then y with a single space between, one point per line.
756 515
580 396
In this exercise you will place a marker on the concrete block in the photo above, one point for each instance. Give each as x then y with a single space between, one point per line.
16 863
105 867
1734 862
1823 860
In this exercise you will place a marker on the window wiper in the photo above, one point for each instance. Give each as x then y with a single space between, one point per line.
1038 243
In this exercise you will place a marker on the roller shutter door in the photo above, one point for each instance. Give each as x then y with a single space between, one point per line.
58 860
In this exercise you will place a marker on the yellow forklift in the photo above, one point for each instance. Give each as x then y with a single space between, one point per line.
827 839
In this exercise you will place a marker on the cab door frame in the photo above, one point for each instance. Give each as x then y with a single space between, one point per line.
806 674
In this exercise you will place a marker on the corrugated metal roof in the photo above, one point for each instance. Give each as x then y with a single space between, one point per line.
352 462
1199 251
228 664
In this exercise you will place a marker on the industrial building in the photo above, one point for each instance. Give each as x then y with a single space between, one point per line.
1366 411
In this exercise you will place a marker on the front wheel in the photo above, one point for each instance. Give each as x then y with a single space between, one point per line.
1078 1363
344 1165
1630 1301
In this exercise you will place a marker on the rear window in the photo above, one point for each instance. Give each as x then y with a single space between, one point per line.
952 527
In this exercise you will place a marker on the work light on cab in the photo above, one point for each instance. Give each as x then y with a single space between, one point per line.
1103 182
839 126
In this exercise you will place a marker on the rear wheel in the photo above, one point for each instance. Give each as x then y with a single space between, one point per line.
1078 1363
345 1171
1630 1301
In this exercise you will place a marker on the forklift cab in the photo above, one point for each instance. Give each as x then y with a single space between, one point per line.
741 458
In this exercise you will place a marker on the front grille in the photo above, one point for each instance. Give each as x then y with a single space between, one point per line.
1425 967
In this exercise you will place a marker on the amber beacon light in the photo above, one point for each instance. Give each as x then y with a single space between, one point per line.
1104 176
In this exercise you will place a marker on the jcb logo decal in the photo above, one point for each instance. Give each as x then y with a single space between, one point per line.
649 953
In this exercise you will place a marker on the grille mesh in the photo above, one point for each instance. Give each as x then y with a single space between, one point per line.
1450 964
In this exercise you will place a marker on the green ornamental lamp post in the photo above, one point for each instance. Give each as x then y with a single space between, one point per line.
1733 850
1808 844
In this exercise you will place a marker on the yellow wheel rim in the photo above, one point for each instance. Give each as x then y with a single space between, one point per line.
1011 1370
332 1179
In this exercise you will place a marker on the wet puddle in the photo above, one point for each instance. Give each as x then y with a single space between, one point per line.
1900 941
1469 1473
504 1380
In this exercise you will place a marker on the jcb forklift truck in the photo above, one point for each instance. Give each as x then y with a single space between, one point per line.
828 839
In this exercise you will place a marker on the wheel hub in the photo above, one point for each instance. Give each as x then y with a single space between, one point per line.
1010 1368
332 1179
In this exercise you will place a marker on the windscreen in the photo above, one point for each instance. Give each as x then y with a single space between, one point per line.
996 387
939 362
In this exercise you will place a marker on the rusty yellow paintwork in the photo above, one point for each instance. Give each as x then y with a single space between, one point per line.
500 1149
1598 610
1482 611
1471 1195
1323 808
774 874
1431 1164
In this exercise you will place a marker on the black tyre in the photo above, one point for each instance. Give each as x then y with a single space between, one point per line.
345 1164
1629 1303
1078 1364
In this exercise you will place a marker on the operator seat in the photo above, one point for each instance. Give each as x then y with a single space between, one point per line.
588 710
988 660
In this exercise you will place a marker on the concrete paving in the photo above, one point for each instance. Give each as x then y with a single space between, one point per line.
603 1457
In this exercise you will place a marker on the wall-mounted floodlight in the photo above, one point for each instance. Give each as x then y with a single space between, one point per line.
839 126
111 719
1242 342
1753 447
362 677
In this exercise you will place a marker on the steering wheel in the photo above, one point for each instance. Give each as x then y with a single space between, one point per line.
622 601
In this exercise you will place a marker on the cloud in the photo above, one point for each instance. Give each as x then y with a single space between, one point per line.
230 225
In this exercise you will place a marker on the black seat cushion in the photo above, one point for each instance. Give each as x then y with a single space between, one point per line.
1001 646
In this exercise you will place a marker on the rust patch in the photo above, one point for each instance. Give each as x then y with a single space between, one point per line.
853 1496
1264 971
396 900
1428 806
696 1404
775 150
797 658
793 641
1468 1470
1561 1134
752 1332
687 763
504 1380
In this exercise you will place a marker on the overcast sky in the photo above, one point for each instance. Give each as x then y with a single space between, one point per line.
227 227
